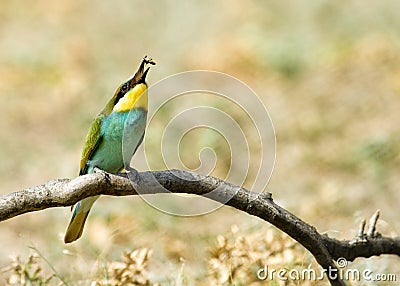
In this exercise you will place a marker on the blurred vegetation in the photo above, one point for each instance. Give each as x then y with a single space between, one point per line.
327 71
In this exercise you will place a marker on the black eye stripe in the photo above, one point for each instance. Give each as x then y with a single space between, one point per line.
121 93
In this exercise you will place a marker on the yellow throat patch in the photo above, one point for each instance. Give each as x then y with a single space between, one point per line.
135 98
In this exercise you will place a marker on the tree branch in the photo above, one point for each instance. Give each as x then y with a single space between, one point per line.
65 192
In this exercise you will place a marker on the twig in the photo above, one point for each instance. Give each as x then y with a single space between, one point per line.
372 224
65 192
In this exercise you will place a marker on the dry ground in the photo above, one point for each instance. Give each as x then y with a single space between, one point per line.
328 72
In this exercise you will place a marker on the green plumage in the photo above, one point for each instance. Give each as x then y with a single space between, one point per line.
120 135
112 140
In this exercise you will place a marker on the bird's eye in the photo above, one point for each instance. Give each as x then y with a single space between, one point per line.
124 87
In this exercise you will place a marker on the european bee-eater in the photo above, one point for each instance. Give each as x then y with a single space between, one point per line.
121 125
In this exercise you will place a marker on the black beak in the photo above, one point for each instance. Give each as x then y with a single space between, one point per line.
140 75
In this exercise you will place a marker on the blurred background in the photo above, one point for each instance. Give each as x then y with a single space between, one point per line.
327 71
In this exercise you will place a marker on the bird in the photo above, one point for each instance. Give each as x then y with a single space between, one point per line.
113 138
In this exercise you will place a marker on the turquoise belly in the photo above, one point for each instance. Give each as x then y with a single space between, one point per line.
121 134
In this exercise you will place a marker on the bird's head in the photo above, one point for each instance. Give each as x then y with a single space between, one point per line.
133 92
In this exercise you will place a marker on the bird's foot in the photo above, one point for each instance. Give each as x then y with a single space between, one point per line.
133 175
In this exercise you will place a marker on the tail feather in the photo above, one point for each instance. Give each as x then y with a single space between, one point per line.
78 219
75 227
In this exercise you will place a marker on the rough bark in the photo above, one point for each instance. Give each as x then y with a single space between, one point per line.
65 192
